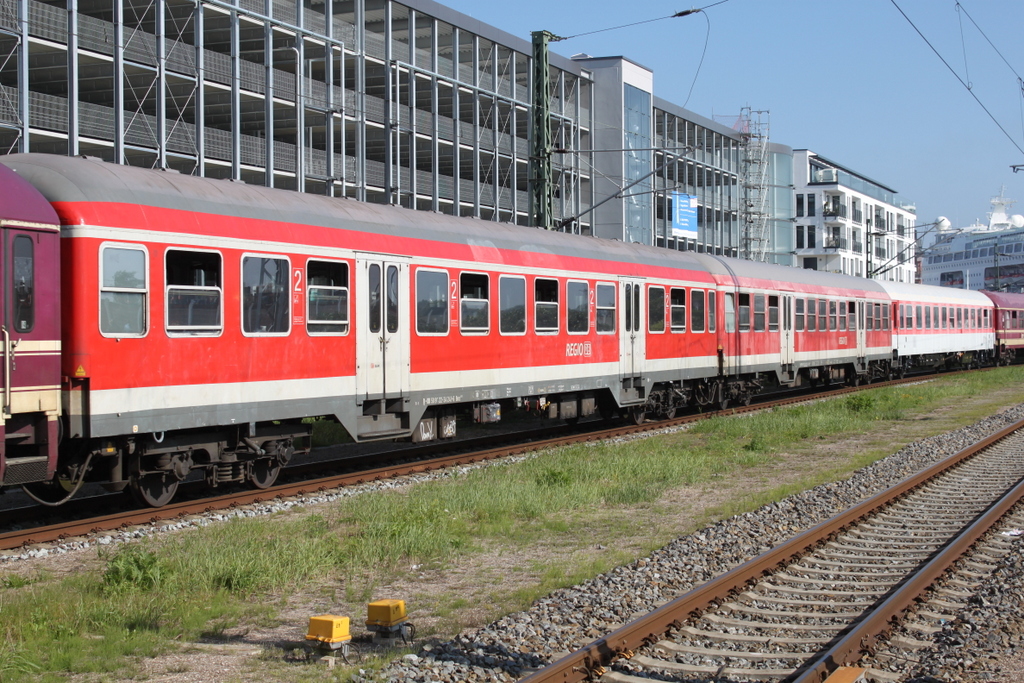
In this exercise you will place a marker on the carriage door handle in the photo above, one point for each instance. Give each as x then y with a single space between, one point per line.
383 342
8 352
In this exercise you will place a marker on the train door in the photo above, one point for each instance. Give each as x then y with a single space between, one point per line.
861 330
30 336
382 341
786 339
632 340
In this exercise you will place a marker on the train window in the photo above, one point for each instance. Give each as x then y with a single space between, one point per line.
23 283
744 312
606 308
124 284
391 312
656 309
885 318
852 316
799 315
512 305
812 315
842 316
627 291
730 312
326 297
432 301
935 317
927 317
474 292
869 321
266 300
832 323
759 313
942 317
577 307
878 316
960 318
545 306
712 312
822 315
974 318
677 303
373 298
773 314
193 280
697 310
988 322
920 318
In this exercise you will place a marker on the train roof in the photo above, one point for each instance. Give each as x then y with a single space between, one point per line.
87 179
757 270
1005 299
19 205
77 179
901 291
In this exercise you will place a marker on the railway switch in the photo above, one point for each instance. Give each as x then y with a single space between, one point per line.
387 619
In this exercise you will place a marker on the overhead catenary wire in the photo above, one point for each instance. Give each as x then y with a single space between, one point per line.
683 13
961 9
957 76
1020 81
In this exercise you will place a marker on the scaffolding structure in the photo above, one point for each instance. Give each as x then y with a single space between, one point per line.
378 100
756 233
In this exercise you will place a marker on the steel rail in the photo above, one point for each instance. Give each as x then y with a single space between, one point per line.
849 650
128 518
589 662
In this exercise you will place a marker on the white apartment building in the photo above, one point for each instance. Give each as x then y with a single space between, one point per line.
848 223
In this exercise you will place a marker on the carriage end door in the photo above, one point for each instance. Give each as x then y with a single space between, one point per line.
382 318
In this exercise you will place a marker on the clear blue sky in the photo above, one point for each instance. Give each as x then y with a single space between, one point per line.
849 79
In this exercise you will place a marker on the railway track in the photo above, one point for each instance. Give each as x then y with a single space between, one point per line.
80 518
813 604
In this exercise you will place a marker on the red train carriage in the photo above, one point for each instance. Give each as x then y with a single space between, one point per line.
1008 320
29 332
789 325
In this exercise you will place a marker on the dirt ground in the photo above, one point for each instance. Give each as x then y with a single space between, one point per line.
482 587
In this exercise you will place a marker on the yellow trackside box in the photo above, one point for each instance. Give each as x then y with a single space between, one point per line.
328 629
385 613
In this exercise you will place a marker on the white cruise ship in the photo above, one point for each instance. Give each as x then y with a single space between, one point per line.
978 256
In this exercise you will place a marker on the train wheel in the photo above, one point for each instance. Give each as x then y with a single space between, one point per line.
155 489
263 472
637 415
670 413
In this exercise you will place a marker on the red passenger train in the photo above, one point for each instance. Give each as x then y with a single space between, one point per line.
200 321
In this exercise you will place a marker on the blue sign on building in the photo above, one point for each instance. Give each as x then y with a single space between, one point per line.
684 216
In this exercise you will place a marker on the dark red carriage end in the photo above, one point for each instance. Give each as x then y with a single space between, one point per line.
29 331
20 203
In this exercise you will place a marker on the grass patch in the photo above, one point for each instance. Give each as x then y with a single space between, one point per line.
199 584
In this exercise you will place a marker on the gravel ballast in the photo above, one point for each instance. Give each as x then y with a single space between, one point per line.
569 618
